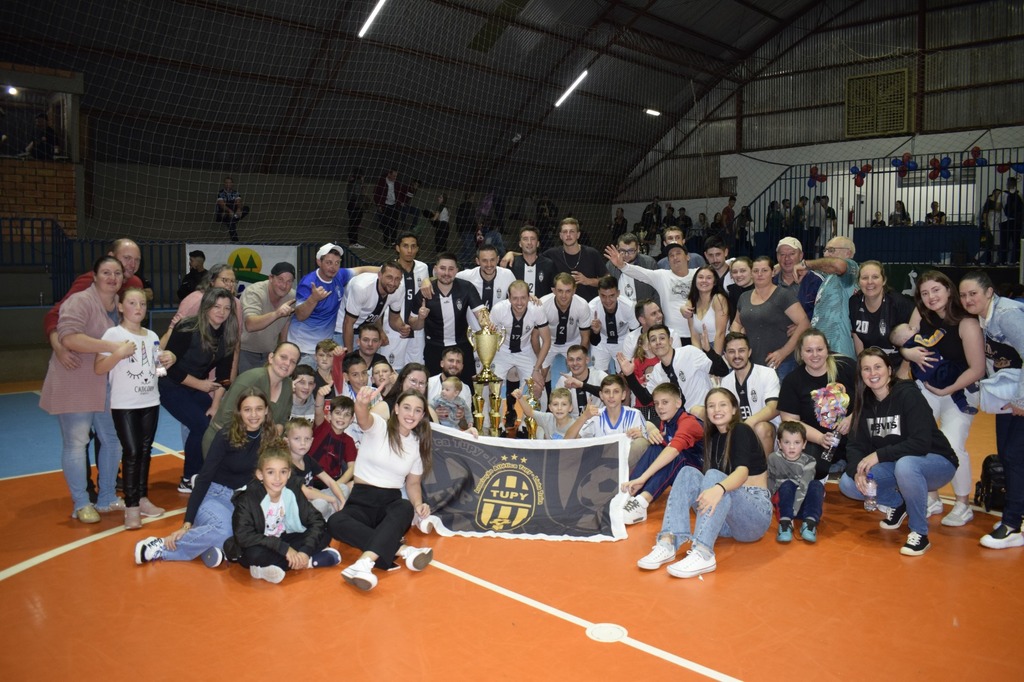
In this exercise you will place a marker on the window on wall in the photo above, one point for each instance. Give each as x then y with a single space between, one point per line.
877 104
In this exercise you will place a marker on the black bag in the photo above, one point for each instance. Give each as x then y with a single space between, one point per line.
990 491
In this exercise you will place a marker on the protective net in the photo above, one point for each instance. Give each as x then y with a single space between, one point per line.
458 97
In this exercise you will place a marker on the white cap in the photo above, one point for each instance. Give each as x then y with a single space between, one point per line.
327 248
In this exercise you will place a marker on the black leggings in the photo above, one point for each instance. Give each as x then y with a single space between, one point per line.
136 430
373 520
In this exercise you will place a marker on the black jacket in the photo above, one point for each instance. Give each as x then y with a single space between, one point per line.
249 522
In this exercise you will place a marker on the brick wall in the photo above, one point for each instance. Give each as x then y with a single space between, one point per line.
39 189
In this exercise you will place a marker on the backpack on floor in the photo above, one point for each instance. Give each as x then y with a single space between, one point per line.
990 491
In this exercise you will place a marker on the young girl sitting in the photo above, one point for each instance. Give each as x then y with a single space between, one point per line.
134 401
229 465
791 475
298 434
275 528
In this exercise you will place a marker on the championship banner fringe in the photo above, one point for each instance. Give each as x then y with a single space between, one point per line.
531 489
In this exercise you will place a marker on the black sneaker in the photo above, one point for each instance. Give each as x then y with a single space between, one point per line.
916 545
894 519
185 485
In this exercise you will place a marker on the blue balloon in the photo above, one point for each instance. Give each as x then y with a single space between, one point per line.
945 173
1019 167
854 170
896 162
982 161
912 165
946 161
811 182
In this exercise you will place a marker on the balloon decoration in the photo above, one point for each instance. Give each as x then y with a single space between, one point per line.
940 168
904 164
859 174
814 177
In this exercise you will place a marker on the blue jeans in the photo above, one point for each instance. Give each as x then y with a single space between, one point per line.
74 430
1010 445
663 478
211 528
785 367
906 481
189 407
743 514
812 503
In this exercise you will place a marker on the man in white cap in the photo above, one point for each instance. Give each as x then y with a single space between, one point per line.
804 283
318 298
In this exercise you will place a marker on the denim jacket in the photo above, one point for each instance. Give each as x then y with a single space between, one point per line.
1004 334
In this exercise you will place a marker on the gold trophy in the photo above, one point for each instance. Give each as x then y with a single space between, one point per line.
486 343
530 422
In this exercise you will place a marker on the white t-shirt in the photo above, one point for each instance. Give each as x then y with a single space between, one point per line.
364 302
379 465
673 291
133 382
601 425
274 527
576 318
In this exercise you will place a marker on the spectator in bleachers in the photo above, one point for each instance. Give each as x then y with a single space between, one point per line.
465 223
1010 228
619 223
935 216
899 215
389 198
229 208
743 226
774 223
43 145
546 217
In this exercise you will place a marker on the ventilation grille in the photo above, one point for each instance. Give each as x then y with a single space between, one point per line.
877 104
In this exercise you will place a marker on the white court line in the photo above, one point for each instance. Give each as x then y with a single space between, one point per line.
575 620
64 549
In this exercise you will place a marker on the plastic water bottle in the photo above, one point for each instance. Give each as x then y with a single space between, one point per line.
161 371
870 493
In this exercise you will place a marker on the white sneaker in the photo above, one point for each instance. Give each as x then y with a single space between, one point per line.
958 516
692 565
360 575
272 574
635 510
417 558
934 507
658 557
1003 538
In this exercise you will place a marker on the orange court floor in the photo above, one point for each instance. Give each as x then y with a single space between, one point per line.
76 606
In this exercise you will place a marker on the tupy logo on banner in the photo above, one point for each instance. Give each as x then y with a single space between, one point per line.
535 489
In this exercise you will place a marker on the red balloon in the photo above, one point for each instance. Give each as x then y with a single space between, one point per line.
934 163
1003 167
866 168
907 156
933 174
859 181
969 163
822 178
902 171
975 152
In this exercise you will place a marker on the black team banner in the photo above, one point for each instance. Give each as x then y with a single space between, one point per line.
533 489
